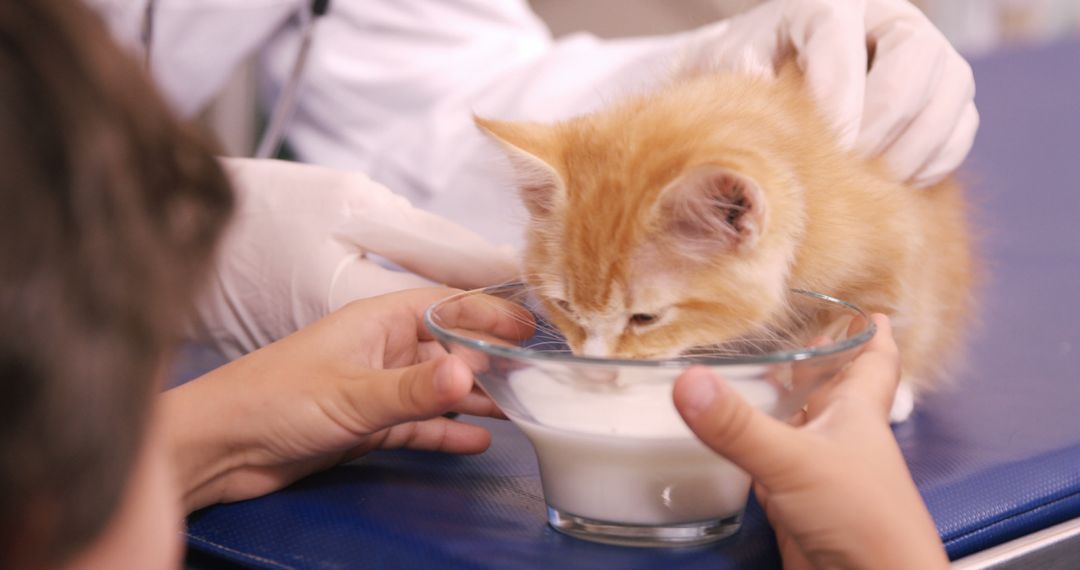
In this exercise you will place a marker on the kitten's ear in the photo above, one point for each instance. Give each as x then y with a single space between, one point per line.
709 209
531 148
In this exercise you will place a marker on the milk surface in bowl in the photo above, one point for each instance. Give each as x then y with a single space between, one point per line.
617 463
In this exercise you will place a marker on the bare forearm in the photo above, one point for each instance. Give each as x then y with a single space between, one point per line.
197 431
913 541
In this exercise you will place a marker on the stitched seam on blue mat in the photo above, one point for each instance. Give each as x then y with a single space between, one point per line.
1066 486
1012 516
240 554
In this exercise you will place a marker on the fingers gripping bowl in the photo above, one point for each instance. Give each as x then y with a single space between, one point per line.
617 463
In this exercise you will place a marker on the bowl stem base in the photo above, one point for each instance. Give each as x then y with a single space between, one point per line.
687 534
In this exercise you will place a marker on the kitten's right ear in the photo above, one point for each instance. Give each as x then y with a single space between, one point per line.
711 208
530 148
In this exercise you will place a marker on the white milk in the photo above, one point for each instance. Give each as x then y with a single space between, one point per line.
616 450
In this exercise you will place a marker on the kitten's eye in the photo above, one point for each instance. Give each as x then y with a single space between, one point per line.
641 319
564 305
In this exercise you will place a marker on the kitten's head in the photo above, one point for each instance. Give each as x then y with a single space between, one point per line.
661 223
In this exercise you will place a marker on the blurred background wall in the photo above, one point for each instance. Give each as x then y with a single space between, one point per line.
974 26
980 25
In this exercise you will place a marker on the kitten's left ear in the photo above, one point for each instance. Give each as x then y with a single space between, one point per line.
711 208
531 149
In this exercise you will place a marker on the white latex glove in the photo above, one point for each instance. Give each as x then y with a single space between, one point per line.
298 249
915 106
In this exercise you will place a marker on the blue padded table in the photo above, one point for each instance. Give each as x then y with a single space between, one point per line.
997 457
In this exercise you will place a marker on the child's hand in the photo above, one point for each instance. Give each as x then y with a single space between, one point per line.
368 376
835 488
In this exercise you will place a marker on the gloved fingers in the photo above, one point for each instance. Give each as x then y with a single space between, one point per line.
363 215
898 88
429 246
725 45
953 152
931 129
357 278
829 40
916 77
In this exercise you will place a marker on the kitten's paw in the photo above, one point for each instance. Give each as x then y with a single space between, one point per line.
903 404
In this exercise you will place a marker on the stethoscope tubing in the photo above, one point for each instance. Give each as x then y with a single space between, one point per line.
281 114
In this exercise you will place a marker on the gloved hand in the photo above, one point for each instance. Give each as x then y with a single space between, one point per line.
915 106
301 245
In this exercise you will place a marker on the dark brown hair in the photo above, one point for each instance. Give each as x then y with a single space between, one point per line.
110 209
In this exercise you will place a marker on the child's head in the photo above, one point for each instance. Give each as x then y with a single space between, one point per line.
110 212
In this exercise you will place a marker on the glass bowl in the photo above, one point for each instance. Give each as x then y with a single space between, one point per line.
617 463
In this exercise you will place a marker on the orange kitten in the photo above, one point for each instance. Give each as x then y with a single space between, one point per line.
682 218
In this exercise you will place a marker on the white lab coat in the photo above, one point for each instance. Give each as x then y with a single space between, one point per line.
391 85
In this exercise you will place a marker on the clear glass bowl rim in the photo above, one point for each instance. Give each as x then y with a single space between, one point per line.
777 357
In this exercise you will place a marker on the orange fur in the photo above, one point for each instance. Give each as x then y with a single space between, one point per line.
602 244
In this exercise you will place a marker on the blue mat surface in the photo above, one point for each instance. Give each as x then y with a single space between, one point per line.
996 457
